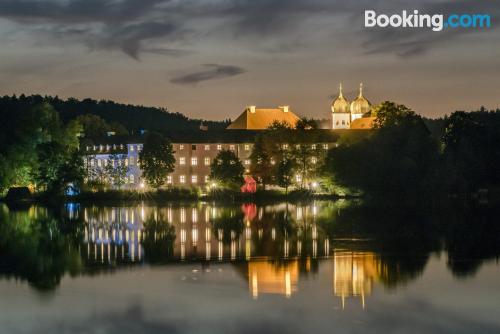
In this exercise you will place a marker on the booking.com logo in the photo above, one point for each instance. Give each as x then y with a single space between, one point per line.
436 22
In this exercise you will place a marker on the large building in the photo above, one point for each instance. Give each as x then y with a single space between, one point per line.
351 115
194 152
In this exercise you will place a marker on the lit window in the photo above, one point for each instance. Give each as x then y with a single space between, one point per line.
126 162
99 163
88 147
325 146
131 178
194 178
273 162
285 146
131 148
298 178
313 146
247 147
194 161
182 161
169 179
219 147
207 161
207 147
247 162
92 163
206 178
182 179
297 146
139 147
231 147
181 147
314 160
100 148
132 161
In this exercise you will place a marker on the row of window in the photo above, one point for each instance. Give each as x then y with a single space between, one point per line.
206 161
182 179
130 161
131 148
232 147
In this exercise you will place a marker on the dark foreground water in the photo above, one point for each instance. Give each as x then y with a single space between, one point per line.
343 267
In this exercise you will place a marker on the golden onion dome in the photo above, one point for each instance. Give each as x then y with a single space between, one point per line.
340 104
360 105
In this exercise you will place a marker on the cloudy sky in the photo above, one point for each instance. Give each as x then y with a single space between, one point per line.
211 58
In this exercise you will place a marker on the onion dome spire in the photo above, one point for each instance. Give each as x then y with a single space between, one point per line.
340 104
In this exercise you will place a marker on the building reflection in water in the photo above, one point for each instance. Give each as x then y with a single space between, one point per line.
272 245
354 274
268 278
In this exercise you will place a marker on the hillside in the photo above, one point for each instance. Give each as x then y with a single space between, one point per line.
132 117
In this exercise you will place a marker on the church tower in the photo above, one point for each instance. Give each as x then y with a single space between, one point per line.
360 106
341 116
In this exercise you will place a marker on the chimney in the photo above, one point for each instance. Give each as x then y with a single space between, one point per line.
284 108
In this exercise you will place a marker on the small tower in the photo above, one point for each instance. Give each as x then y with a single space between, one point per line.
341 117
360 106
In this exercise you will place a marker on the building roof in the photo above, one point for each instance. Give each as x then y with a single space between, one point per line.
261 118
363 123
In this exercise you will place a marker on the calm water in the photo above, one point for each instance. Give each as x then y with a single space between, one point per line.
201 268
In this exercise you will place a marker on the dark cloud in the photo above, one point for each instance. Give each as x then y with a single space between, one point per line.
210 72
130 38
132 26
103 24
76 11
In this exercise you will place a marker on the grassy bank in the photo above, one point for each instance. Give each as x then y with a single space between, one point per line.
180 194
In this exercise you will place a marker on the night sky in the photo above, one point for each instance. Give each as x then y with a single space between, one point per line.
211 58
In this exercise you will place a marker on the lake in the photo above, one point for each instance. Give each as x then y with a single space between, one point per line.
345 266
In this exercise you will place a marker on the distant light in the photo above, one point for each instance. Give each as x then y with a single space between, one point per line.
142 185
314 184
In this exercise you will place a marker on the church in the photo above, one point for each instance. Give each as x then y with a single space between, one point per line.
352 115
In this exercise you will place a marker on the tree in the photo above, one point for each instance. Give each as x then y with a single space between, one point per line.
284 175
156 159
117 169
227 170
471 155
306 124
261 163
95 127
401 155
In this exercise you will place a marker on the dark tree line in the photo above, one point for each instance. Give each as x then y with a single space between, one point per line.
461 153
119 117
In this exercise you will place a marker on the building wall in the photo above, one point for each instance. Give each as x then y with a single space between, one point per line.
192 161
341 120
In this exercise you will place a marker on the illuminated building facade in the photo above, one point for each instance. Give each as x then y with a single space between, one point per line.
194 152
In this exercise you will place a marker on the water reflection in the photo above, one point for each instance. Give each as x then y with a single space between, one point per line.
274 247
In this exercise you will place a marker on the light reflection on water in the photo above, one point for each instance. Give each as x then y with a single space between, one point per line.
301 264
